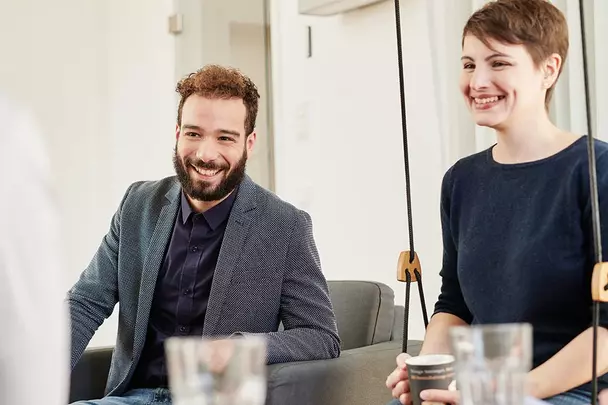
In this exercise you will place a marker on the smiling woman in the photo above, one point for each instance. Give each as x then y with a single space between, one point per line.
501 81
516 218
508 67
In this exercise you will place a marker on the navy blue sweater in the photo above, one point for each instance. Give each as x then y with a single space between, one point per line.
518 244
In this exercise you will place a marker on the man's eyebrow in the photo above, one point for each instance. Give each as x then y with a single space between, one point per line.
229 132
221 131
195 127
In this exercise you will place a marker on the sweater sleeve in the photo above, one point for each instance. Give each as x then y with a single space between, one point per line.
602 185
450 299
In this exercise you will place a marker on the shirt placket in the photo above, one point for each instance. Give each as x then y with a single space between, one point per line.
189 273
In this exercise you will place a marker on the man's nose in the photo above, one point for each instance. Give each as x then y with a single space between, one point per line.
207 151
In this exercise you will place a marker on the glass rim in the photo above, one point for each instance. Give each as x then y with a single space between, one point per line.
254 340
491 327
440 360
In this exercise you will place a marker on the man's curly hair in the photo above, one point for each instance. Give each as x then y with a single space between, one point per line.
219 82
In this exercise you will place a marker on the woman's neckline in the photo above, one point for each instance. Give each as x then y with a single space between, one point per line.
537 162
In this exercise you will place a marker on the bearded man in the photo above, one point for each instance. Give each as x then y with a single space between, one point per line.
207 252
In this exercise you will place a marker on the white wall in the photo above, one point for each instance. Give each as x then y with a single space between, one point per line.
248 51
600 66
344 161
338 137
63 87
141 107
99 77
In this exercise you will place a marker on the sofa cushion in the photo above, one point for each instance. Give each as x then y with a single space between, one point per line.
364 312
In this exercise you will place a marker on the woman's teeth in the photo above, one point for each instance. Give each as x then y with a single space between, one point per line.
488 99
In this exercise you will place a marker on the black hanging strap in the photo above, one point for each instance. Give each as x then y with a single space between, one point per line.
600 272
408 269
406 159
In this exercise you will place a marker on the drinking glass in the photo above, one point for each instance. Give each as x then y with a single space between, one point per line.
216 371
492 362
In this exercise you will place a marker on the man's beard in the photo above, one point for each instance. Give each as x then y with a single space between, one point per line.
202 190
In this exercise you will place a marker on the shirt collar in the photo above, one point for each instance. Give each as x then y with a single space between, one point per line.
214 216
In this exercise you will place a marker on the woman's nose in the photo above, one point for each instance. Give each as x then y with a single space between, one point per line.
480 79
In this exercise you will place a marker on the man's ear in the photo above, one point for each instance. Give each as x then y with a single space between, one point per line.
250 141
176 131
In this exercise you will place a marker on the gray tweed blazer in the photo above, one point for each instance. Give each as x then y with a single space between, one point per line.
268 272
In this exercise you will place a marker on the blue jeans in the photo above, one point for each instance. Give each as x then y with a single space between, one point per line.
573 397
134 397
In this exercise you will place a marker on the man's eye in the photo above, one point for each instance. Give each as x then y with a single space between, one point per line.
191 134
225 138
500 64
469 66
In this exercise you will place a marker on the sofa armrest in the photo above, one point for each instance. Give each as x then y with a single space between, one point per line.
358 376
90 374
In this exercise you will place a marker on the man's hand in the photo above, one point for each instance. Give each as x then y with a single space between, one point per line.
440 397
398 381
218 354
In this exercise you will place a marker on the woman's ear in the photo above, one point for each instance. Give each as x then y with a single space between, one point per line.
551 68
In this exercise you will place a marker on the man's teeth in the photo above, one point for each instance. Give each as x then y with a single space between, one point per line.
486 100
206 172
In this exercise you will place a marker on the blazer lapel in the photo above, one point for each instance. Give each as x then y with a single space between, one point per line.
152 263
230 252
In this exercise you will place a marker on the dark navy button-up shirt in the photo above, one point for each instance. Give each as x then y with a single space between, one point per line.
183 286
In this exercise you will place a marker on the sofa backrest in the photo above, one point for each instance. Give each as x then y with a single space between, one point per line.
364 312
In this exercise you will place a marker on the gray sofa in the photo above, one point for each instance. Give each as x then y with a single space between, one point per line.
370 326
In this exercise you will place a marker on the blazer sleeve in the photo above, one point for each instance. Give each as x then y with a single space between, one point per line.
93 297
450 299
310 329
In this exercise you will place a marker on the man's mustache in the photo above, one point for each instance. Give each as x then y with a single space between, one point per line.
199 164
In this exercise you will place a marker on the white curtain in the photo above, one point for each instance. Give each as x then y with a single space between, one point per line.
460 136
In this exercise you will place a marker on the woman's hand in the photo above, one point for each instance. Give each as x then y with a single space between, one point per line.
440 396
604 397
398 381
399 384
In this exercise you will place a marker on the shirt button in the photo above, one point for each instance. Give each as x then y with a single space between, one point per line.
182 328
194 249
187 291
